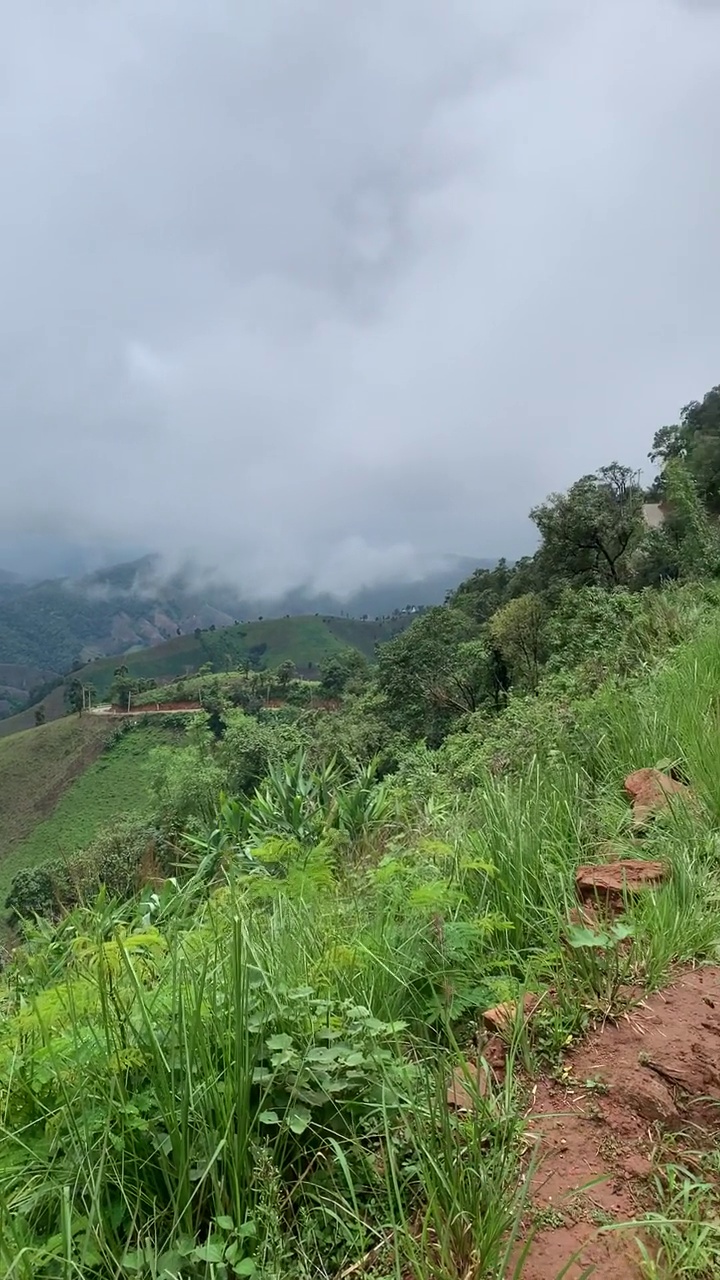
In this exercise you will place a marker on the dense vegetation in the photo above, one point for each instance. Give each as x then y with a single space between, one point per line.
232 1060
266 645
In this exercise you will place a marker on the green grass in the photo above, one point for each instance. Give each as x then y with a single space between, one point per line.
62 783
684 1228
36 768
253 1078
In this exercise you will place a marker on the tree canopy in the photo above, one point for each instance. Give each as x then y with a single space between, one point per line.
589 533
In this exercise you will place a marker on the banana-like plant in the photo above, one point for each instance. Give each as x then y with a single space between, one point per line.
363 804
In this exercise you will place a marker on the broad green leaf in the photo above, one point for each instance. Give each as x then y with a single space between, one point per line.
134 1261
281 1058
269 1117
211 1251
281 1041
580 936
621 931
325 1054
298 1119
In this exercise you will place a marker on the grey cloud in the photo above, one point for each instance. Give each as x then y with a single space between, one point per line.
318 293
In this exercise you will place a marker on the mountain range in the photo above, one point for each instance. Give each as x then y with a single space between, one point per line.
48 626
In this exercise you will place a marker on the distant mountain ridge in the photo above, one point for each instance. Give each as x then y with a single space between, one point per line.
261 646
52 624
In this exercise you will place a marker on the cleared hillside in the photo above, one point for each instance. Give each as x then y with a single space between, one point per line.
36 769
305 641
61 783
54 705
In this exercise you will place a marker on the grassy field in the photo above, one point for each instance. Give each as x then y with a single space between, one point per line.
54 705
61 783
254 1082
36 767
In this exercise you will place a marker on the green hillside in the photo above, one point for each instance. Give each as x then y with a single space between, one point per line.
37 766
58 621
61 783
36 769
305 641
364 983
54 705
17 680
266 643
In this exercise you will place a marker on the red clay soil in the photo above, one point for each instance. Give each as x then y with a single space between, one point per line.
610 881
651 791
656 1070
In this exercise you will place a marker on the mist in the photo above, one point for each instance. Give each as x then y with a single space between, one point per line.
318 296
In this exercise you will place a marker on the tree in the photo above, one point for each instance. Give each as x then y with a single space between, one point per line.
216 706
255 654
40 714
590 532
500 680
122 688
517 632
285 673
694 440
483 592
343 672
435 671
74 697
251 746
687 544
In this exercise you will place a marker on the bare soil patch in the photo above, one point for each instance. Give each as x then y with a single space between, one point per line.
597 1129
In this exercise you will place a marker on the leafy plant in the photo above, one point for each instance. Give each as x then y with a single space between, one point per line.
600 963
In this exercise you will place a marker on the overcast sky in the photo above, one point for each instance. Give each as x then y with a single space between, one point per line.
319 290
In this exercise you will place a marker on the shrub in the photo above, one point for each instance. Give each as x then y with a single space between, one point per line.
31 893
112 861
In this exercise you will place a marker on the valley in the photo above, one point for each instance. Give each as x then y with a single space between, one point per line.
369 963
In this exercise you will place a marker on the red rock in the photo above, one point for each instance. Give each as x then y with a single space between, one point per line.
651 791
637 781
502 1016
467 1085
494 1053
610 880
585 917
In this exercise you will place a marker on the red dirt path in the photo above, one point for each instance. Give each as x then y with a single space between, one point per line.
658 1069
150 709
